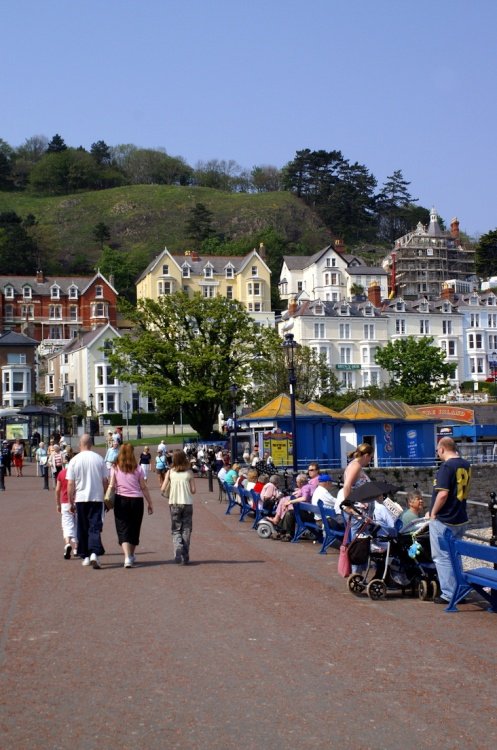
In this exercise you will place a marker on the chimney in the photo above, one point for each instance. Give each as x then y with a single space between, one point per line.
447 291
194 255
339 246
262 251
111 279
454 228
292 306
40 277
374 294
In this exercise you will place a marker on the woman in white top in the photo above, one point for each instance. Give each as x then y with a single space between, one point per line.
180 484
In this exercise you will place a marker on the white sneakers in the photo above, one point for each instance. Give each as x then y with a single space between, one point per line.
129 562
94 561
67 552
86 562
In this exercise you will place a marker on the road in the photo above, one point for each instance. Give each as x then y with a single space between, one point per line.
257 644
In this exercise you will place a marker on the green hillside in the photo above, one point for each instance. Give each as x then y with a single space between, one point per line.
144 218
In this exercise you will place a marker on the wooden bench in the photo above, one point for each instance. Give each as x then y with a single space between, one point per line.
478 579
323 531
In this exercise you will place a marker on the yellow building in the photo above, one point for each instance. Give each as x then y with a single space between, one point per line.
246 279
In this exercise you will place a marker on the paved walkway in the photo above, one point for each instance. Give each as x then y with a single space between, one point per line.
255 645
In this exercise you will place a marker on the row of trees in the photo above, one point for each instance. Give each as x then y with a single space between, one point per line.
191 350
344 194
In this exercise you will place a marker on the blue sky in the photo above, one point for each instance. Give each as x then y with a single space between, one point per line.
406 84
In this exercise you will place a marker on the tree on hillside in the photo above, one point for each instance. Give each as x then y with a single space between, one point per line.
419 372
65 171
6 156
124 267
143 166
18 251
391 204
56 145
100 152
188 351
219 174
101 234
486 255
266 179
199 224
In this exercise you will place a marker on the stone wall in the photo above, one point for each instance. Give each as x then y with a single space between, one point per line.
484 481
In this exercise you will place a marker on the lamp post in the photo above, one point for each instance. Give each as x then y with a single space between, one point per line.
289 347
91 417
234 437
138 424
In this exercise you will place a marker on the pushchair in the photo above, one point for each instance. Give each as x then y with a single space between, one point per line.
400 561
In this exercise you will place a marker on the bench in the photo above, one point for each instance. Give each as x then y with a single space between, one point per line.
232 502
478 579
323 531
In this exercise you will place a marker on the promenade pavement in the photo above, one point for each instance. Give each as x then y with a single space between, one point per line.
257 644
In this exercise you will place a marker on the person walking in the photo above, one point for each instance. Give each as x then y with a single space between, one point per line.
130 486
7 458
18 456
87 482
180 484
145 461
67 515
448 511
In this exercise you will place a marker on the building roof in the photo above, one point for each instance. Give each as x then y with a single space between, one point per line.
280 407
11 338
43 287
198 262
372 409
314 406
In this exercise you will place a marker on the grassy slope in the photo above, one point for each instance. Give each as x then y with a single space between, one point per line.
149 217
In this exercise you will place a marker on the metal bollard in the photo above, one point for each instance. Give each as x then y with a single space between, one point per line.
45 478
492 506
2 478
209 479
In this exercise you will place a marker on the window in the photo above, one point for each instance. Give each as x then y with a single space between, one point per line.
50 383
6 381
346 379
26 292
474 320
229 272
9 292
73 312
400 326
99 310
185 271
164 287
475 341
99 291
327 279
446 307
165 270
27 312
318 309
345 355
257 307
319 331
344 329
65 359
9 312
254 289
70 393
400 306
369 331
424 327
375 378
451 348
369 310
344 310
104 375
16 359
208 291
73 292
447 327
111 403
492 320
208 272
55 332
300 286
335 279
254 271
54 292
492 342
229 292
55 312
108 347
365 355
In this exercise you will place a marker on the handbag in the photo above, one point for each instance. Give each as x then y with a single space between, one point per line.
110 494
344 566
359 550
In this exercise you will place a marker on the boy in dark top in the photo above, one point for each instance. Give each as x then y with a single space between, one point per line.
448 511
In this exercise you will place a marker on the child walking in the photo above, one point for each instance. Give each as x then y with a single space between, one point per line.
180 484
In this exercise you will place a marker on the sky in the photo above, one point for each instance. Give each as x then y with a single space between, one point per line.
407 85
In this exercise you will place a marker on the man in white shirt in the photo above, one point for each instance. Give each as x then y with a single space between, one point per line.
86 484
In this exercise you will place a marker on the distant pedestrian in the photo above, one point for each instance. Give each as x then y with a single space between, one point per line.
111 455
87 482
129 482
67 512
7 457
145 461
180 484
161 465
18 456
56 462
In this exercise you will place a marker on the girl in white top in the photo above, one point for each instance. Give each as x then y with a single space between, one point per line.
180 485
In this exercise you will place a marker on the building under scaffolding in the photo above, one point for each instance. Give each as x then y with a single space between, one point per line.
426 258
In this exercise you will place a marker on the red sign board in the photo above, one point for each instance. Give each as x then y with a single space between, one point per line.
449 413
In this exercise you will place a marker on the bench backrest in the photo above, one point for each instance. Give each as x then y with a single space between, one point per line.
461 547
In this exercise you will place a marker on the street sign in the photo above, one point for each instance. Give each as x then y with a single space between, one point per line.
347 367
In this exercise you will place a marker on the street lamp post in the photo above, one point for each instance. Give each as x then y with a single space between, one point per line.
91 417
289 347
234 437
138 424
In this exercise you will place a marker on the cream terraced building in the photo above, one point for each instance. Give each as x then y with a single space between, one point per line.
246 279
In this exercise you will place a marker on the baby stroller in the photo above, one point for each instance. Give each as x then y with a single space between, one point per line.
400 561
